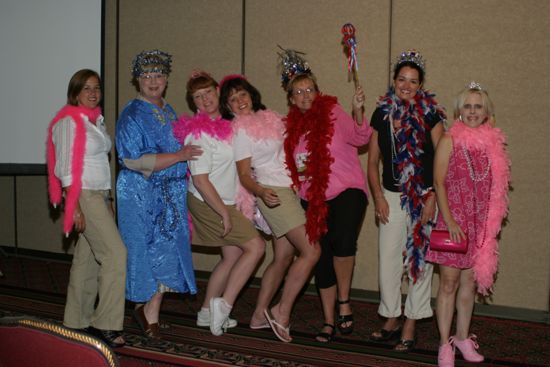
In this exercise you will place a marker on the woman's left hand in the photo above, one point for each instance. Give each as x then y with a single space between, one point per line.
428 212
189 152
358 98
269 197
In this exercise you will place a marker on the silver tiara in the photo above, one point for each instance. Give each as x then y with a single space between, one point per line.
411 56
154 61
475 86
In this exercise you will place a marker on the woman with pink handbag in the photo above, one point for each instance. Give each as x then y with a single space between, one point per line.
471 177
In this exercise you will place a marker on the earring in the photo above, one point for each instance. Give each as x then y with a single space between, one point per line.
460 117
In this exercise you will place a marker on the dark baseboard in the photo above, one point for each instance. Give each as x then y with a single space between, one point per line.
35 254
503 312
23 169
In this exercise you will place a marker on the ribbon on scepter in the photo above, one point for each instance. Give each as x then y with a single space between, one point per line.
350 49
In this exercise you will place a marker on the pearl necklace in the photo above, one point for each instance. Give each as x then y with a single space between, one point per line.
393 151
471 170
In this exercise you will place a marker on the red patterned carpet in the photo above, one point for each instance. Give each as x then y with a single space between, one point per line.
37 287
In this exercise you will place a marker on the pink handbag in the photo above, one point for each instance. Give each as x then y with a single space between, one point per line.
440 240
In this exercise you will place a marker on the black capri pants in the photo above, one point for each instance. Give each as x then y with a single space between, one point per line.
345 216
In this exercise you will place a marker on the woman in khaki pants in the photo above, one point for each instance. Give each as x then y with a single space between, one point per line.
78 170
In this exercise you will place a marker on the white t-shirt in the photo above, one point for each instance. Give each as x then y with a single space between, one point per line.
96 173
216 161
267 158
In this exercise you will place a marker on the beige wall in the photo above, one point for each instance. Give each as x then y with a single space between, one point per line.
502 44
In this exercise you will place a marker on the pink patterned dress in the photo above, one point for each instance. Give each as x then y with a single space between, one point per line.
468 185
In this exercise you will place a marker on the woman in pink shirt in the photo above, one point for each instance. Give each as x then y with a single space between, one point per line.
321 153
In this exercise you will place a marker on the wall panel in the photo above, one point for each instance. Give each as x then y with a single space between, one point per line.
504 45
202 34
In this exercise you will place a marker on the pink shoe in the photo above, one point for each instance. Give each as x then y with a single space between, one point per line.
446 355
467 348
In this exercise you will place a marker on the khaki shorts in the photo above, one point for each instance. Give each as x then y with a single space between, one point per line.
286 216
207 225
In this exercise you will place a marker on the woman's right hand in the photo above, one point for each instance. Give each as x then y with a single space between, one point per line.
227 224
382 209
79 221
455 232
269 197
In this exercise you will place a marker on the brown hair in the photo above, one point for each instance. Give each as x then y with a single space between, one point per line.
411 65
203 80
77 83
296 79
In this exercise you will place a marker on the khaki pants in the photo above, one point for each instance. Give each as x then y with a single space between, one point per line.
392 240
99 268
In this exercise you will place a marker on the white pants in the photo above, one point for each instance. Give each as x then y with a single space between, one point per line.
391 242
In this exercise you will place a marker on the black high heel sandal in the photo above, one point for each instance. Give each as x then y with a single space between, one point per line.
326 336
405 345
344 319
387 335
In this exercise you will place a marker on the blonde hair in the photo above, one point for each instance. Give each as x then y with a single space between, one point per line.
485 101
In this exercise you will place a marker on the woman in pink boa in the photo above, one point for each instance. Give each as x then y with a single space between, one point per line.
471 178
258 148
79 177
211 202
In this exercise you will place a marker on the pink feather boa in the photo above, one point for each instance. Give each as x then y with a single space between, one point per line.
493 141
261 125
201 123
77 166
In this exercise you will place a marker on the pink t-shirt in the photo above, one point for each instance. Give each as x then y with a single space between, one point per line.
346 171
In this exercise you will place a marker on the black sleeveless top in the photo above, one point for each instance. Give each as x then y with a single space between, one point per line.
384 129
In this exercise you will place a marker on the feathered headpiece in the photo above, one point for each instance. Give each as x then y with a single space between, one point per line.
411 56
154 61
292 64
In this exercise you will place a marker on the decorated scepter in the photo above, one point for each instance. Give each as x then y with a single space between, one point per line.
350 48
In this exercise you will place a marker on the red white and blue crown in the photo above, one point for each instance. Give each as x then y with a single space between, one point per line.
292 64
411 56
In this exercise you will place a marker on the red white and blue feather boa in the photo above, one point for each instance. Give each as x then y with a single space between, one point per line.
493 142
202 123
409 144
77 160
317 125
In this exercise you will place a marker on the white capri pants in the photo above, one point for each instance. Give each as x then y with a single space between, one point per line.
392 238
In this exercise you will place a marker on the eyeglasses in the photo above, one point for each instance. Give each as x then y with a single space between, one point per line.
204 94
149 77
302 92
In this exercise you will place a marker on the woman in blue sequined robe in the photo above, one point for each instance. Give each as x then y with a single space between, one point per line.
151 195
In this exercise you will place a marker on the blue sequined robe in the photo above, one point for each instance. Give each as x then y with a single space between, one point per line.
152 212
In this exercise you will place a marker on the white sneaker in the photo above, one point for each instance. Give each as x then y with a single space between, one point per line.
219 313
203 319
